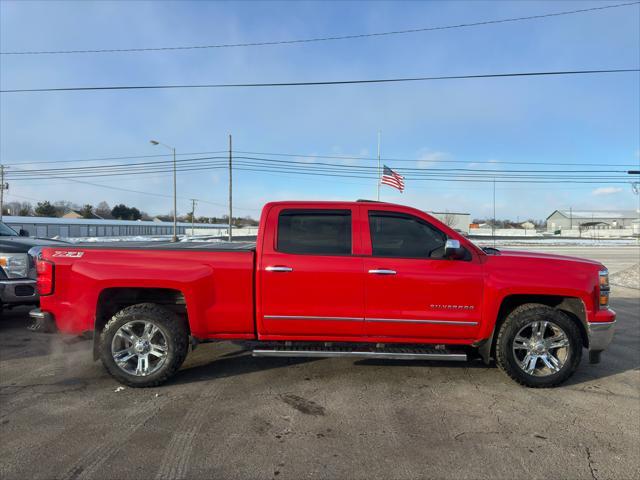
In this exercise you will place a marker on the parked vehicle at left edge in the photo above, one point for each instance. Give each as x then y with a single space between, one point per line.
17 269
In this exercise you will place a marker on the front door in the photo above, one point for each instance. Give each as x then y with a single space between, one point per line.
311 284
411 290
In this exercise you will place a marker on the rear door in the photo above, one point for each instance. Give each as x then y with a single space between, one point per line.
311 283
411 291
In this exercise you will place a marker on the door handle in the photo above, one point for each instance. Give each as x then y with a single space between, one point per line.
279 268
382 271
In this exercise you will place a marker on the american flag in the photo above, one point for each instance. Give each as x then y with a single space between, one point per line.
393 179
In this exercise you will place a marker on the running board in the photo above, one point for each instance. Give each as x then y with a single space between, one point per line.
387 353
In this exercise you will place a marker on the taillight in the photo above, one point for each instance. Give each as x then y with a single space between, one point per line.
44 283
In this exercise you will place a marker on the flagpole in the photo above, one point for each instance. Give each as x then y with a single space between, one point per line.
379 173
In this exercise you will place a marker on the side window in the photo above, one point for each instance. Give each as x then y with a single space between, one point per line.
404 236
314 232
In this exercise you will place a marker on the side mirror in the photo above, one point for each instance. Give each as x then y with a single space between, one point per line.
23 233
453 250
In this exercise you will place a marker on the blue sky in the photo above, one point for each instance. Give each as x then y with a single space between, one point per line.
590 119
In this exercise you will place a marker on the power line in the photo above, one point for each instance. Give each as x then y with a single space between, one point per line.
430 169
301 155
136 191
127 166
322 39
205 163
444 179
351 173
441 160
102 159
144 167
320 83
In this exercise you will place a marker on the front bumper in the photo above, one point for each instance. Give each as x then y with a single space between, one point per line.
601 333
15 292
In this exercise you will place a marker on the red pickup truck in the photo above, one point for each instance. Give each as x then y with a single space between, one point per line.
357 279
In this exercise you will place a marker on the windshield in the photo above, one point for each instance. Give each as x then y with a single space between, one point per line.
5 231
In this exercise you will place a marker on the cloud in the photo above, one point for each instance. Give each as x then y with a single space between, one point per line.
606 191
427 158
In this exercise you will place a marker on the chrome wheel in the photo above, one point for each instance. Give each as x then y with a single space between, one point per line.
139 348
541 348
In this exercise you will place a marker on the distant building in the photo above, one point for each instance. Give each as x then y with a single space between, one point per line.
591 219
456 220
528 225
46 227
76 214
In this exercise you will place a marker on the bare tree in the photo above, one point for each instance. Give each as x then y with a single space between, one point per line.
26 209
103 210
449 219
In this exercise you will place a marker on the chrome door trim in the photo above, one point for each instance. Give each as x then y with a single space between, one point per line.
312 317
432 322
360 319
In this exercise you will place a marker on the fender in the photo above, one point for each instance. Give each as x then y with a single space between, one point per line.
494 301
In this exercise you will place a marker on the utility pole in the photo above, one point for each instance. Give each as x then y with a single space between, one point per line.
493 224
2 188
175 207
379 172
570 218
230 186
193 215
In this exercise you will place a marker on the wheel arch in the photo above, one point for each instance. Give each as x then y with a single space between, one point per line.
112 300
572 306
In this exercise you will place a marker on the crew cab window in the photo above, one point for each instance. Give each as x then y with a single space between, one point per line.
404 236
314 232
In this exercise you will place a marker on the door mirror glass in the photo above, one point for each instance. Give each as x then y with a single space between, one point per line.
453 250
23 233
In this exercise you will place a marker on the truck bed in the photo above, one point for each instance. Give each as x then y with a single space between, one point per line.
213 280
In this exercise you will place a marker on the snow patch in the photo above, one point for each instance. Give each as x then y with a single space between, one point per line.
629 277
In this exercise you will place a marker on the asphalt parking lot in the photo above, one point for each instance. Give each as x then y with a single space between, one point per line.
228 415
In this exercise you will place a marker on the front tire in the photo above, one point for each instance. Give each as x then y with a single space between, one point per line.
538 346
143 345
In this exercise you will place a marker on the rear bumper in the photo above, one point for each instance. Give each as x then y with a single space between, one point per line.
601 331
16 292
42 321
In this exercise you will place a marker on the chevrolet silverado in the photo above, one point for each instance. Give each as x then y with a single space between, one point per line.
356 279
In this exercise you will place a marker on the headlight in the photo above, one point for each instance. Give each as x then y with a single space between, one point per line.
15 265
603 282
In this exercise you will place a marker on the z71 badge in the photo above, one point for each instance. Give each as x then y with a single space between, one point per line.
67 254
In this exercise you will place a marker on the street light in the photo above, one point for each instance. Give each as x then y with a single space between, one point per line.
175 213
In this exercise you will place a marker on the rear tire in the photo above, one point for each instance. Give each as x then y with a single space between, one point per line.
143 345
538 346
